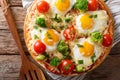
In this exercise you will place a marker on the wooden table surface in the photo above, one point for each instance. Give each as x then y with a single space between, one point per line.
10 61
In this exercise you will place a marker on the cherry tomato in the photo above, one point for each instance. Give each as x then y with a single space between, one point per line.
67 66
107 40
69 33
92 5
42 6
39 47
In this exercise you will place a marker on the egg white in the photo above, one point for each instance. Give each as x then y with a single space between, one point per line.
77 55
100 23
49 48
56 11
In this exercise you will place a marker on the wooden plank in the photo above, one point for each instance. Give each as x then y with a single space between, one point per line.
18 13
9 67
109 70
15 2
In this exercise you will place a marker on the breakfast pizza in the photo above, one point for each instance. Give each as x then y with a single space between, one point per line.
68 37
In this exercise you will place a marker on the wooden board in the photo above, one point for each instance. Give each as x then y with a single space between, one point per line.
10 61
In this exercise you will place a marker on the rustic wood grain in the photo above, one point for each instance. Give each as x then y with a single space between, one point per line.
9 67
10 61
15 3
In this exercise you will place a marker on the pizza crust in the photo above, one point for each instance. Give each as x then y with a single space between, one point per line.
27 37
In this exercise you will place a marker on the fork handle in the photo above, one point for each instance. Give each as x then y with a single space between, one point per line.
9 18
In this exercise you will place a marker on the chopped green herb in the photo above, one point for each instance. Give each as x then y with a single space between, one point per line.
67 57
93 16
79 68
93 58
57 19
40 21
49 35
54 26
40 30
67 67
81 5
54 61
40 57
36 37
96 37
67 20
35 27
80 62
79 45
46 55
63 48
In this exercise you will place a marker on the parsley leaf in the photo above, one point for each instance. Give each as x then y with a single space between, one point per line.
54 61
57 19
79 45
40 21
81 5
36 37
80 62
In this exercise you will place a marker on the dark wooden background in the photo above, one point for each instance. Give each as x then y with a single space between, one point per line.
10 61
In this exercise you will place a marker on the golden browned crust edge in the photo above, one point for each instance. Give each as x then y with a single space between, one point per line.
102 57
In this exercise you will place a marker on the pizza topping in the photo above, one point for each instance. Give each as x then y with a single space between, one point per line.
80 61
67 20
51 37
54 61
81 5
41 21
57 19
36 37
63 48
93 58
79 68
42 6
88 49
92 5
69 33
86 22
107 40
67 66
96 37
40 57
63 5
39 47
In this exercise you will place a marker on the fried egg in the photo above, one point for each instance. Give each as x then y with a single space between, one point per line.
84 50
50 38
92 21
61 7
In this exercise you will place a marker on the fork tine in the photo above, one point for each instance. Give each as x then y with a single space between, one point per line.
40 75
34 77
22 77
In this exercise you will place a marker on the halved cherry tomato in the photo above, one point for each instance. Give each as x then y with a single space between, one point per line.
92 5
42 6
107 40
39 47
69 33
67 66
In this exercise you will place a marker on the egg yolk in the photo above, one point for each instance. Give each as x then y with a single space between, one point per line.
62 5
51 37
86 22
87 49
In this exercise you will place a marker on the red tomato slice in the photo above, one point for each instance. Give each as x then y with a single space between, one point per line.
92 5
69 33
43 6
67 66
107 40
39 47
